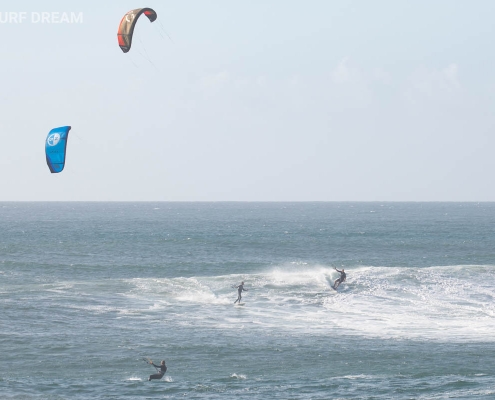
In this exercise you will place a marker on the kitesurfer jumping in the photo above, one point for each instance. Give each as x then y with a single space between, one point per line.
240 289
340 280
160 373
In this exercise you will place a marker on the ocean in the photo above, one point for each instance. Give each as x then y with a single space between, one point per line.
87 290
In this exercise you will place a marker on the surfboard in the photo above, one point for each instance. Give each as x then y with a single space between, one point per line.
239 304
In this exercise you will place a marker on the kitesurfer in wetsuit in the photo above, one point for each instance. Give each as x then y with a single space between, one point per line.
240 289
159 374
340 280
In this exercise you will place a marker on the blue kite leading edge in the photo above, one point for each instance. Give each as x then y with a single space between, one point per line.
55 147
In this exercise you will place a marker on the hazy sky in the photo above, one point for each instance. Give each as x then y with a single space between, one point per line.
254 100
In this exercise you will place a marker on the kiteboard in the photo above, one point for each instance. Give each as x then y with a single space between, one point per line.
240 304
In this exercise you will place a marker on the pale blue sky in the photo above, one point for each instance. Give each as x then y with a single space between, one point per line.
252 101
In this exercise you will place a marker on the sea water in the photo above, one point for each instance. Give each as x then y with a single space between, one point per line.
89 289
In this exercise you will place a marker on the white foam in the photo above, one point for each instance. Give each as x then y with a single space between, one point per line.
237 376
434 303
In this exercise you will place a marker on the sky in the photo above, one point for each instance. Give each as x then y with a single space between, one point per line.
259 100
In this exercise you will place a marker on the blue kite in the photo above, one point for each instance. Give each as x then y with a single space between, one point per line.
55 148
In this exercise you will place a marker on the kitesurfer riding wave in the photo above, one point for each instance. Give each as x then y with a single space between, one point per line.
339 280
240 289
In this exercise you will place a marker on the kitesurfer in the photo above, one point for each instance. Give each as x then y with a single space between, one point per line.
240 289
160 373
340 280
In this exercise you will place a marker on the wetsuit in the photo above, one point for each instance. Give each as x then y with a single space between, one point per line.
159 375
340 280
240 288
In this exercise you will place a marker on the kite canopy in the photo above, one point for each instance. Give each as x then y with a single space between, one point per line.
126 27
55 147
